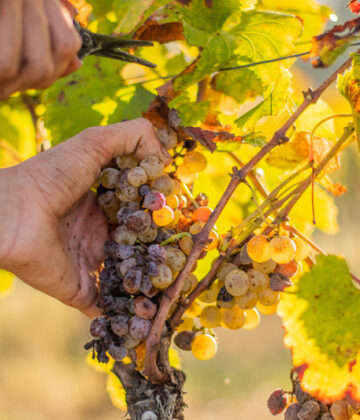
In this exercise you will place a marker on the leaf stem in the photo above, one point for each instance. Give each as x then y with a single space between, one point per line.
265 61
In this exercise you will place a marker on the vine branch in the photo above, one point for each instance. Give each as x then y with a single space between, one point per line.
201 239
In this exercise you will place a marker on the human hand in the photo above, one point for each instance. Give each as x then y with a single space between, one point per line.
52 232
38 44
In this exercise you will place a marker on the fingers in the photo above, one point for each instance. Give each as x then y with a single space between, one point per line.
74 65
11 17
132 137
65 39
39 43
37 64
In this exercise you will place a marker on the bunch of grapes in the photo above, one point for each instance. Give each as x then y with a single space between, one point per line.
299 405
247 284
146 212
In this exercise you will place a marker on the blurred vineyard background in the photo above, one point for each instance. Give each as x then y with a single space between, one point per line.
43 374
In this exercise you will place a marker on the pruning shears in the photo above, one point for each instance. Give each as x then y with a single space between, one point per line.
109 46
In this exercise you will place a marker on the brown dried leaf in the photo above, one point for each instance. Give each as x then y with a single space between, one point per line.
329 45
207 137
163 33
336 189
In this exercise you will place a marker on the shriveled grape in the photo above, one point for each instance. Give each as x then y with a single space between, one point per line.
175 259
144 307
154 200
122 236
164 184
139 328
120 324
109 177
136 176
153 167
126 161
138 222
164 277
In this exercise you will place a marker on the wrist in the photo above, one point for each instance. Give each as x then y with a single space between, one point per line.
9 216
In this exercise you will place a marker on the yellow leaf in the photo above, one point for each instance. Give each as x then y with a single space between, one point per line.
116 392
174 359
326 213
6 282
298 150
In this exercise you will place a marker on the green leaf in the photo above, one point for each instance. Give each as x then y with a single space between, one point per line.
260 36
241 84
138 103
321 318
70 101
265 36
130 13
190 113
274 102
254 139
205 27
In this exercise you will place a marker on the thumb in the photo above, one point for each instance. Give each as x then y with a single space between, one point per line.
69 169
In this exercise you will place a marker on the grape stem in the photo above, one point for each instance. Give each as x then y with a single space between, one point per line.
349 129
187 192
255 179
211 276
171 294
175 237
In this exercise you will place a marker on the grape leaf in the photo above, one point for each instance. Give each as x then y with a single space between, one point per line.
291 154
275 98
321 319
260 38
349 86
241 84
116 391
138 103
265 36
204 26
326 213
17 138
190 113
314 15
129 13
6 282
70 107
151 30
